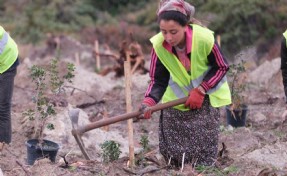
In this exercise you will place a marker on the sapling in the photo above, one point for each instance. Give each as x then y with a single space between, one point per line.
110 151
140 159
144 142
237 84
45 80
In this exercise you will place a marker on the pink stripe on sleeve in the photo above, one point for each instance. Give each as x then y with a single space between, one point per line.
205 86
152 71
149 101
218 56
221 64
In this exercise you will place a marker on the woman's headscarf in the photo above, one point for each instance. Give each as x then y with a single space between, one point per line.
176 5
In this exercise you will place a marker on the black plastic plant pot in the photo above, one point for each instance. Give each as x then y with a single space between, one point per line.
35 151
236 117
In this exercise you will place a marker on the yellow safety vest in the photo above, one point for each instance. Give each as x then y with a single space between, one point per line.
8 51
285 35
180 82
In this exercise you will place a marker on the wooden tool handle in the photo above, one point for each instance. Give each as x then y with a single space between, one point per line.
127 116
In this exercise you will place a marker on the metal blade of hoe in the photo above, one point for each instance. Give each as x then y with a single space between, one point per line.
74 116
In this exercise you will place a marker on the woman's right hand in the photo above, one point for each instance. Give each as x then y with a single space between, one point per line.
145 110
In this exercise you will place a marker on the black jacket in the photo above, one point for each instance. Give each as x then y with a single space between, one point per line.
284 64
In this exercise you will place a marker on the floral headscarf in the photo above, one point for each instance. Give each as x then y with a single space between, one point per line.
176 5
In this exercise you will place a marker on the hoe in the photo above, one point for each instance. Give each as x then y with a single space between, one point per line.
78 131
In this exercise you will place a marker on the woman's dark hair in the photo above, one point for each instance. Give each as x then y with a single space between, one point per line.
182 19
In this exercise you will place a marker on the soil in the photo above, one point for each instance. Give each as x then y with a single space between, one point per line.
258 149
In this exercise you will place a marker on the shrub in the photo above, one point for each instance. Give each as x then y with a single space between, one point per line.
237 84
43 100
110 151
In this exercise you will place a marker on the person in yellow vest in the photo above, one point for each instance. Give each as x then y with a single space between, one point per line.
186 61
283 53
8 69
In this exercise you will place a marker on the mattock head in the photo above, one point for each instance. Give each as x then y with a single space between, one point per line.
74 116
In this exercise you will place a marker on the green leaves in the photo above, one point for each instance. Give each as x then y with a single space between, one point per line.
110 151
216 171
47 80
71 68
57 82
50 126
144 142
237 83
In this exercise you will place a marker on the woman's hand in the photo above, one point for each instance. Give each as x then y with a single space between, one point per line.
195 99
146 111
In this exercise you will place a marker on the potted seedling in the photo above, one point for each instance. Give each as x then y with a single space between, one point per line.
237 111
48 86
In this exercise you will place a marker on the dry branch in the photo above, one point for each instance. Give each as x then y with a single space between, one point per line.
85 105
25 170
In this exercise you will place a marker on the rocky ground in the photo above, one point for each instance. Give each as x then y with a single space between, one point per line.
258 149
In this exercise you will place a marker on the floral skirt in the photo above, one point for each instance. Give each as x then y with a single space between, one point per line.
192 134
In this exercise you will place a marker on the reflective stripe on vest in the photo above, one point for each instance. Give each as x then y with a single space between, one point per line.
3 42
285 35
194 83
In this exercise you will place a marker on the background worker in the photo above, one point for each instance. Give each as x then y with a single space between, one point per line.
283 53
8 69
186 61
